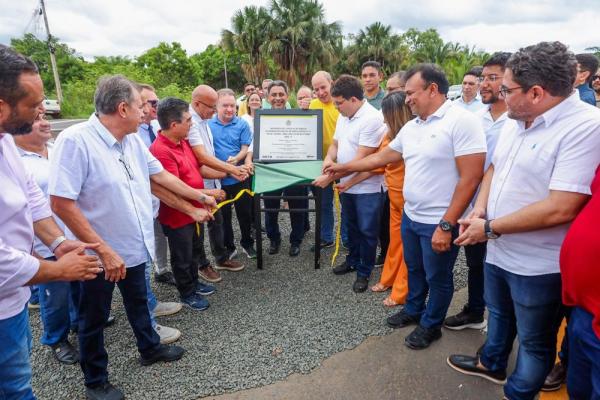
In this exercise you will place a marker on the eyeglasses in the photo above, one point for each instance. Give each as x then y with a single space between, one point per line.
595 77
504 90
213 107
490 78
153 103
339 103
127 167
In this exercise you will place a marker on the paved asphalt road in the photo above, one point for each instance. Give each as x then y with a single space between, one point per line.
58 125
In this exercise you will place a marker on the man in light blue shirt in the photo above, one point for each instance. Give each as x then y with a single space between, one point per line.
470 88
100 188
232 136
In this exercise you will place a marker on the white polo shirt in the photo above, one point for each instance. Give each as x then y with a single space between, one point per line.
429 148
492 130
365 128
559 151
201 135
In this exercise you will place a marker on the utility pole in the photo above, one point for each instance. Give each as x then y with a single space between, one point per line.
52 58
225 68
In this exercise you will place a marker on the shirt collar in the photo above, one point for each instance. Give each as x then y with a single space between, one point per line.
166 141
462 100
363 109
104 134
381 93
438 114
23 152
232 122
555 112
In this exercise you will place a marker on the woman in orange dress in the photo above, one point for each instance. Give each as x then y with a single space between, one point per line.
394 274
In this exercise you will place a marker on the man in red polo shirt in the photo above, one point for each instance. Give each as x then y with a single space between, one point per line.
580 269
186 237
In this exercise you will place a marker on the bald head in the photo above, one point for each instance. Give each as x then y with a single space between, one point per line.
321 84
204 101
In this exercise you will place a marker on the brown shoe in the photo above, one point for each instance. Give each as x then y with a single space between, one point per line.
209 274
230 265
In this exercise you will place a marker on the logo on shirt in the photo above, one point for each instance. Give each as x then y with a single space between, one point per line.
533 147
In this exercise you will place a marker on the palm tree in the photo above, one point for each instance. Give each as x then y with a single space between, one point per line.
377 42
249 30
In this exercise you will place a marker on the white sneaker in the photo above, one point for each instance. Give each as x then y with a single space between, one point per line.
166 308
167 335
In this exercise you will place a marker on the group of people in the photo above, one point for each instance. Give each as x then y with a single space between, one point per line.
508 171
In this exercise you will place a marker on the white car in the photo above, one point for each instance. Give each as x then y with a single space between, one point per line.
52 107
454 92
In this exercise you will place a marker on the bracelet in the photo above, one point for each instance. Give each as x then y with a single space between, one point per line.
57 242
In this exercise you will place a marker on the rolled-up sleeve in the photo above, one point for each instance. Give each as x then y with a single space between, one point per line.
16 267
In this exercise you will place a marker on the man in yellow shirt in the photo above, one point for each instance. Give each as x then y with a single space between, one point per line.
321 84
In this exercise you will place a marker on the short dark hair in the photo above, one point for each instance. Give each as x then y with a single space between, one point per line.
278 83
248 84
169 110
374 64
588 62
499 59
547 64
12 65
347 86
430 73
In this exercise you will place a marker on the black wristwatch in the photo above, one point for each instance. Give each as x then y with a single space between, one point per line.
489 233
445 225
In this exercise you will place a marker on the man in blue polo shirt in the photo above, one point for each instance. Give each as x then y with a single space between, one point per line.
232 136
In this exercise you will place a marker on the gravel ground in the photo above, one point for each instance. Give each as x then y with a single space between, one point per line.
261 327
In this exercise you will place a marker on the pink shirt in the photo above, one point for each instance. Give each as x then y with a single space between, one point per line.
21 204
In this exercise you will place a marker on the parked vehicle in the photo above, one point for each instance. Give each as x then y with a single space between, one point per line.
454 92
52 107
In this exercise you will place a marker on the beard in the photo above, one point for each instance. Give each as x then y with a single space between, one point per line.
17 126
492 99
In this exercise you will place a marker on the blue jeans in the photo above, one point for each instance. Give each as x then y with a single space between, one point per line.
35 294
94 309
429 273
152 302
363 212
583 374
15 369
527 306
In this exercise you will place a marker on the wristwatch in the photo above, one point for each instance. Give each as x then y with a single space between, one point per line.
57 242
445 225
487 227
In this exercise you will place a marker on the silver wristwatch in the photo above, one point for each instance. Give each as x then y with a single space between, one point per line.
57 242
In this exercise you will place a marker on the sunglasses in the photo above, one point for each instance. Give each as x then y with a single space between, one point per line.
153 103
595 77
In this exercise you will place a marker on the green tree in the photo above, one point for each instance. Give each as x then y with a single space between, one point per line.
166 64
209 67
377 43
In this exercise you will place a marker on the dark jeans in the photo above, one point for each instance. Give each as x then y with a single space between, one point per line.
187 255
363 212
384 226
527 306
429 273
475 255
94 309
297 218
583 374
216 238
15 368
243 210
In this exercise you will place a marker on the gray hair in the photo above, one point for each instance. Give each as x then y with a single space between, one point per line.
278 83
547 64
225 92
112 91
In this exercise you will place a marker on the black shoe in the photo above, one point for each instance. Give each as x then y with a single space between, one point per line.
465 319
380 260
294 250
421 337
324 245
162 353
555 378
402 319
360 284
274 248
343 269
165 277
105 391
65 353
469 365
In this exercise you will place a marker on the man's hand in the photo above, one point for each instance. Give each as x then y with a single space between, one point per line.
475 213
322 181
239 173
70 245
342 187
473 232
209 202
218 194
249 167
327 162
441 241
335 169
114 266
232 160
201 215
75 265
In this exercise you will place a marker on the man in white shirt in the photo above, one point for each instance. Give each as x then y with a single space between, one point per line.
100 188
493 117
358 133
24 211
470 88
444 152
537 182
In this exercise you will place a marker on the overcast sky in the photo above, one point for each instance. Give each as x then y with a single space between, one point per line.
129 27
